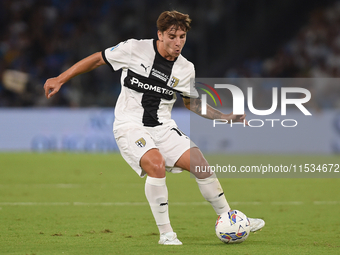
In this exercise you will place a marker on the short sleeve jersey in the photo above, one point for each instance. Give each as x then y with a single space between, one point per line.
149 82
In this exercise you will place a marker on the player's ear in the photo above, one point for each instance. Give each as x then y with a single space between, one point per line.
160 35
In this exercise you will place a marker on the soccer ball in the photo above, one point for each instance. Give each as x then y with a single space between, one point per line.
232 227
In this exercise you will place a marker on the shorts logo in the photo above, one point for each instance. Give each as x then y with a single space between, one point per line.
174 82
140 142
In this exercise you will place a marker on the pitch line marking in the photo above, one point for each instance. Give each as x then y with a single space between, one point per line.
288 203
326 202
43 185
245 203
34 203
276 203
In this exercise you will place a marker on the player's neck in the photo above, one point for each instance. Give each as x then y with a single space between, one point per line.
163 52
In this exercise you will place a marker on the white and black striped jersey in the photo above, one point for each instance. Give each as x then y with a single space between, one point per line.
149 82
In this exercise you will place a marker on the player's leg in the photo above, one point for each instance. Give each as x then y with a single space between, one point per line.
208 184
156 192
140 152
181 153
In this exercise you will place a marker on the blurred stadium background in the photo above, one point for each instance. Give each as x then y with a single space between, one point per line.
235 39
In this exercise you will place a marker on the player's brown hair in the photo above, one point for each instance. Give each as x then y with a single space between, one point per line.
168 19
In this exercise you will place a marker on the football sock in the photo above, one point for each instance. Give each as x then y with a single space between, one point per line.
156 193
212 191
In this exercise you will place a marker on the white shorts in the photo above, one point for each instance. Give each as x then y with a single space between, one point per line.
134 141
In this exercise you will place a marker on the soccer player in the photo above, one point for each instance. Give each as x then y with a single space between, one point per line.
148 139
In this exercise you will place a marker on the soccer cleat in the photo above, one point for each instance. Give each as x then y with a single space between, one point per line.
169 238
256 224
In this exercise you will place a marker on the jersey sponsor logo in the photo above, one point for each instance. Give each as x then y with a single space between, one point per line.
159 75
141 142
174 82
149 87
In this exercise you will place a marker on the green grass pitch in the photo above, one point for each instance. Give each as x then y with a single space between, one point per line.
62 203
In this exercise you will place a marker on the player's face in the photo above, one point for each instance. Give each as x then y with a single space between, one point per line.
171 42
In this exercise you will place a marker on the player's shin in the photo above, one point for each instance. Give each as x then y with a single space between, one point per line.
156 193
212 191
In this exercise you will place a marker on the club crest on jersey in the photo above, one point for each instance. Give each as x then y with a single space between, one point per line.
174 82
140 142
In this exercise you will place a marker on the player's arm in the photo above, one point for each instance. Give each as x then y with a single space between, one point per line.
53 85
195 105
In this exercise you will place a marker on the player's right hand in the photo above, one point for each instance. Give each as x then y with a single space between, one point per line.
237 118
52 86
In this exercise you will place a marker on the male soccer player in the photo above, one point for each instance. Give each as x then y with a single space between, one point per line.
148 139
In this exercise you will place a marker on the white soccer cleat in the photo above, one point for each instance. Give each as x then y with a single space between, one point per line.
256 224
169 238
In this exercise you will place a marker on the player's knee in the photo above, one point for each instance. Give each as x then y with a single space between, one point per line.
153 164
155 168
201 169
